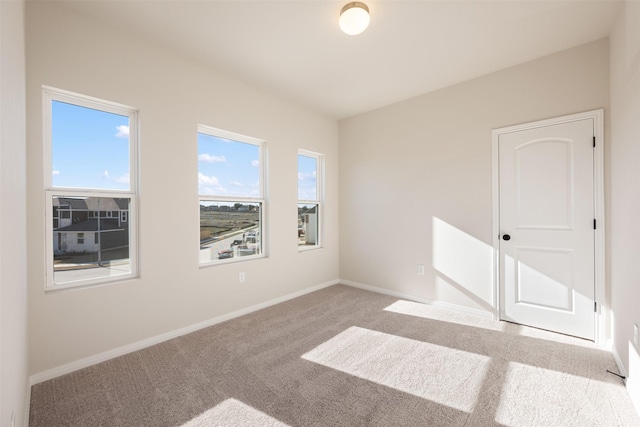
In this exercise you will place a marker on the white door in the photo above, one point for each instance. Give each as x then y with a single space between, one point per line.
546 202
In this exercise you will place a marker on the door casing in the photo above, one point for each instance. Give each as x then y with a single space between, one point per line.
602 311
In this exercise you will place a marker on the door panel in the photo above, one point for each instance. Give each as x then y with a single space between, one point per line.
551 289
544 209
547 208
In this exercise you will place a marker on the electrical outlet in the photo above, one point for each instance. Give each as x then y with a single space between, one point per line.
635 334
420 270
242 277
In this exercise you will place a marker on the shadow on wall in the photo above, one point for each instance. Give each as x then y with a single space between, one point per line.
463 263
539 287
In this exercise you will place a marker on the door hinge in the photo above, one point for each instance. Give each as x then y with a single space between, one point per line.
594 142
594 224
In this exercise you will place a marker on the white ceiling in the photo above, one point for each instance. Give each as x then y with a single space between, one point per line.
296 50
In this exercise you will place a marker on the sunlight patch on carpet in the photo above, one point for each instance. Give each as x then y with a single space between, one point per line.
443 375
232 412
542 396
426 311
542 334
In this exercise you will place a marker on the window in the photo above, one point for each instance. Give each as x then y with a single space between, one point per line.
309 199
90 172
231 196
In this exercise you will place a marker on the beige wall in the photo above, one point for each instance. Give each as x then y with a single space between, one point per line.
13 230
624 212
416 176
173 95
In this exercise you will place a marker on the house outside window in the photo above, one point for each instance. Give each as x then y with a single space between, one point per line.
231 188
90 183
310 190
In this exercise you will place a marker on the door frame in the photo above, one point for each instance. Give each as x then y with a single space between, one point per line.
602 314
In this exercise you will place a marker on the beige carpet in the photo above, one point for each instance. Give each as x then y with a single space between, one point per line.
347 357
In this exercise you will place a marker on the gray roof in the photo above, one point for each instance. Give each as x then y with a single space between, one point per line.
102 204
92 225
92 203
123 204
70 202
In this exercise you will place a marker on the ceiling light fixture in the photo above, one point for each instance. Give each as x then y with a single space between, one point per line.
354 18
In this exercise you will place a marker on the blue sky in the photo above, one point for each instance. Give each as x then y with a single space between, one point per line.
90 148
307 178
227 168
231 168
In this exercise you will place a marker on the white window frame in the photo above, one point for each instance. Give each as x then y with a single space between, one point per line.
50 94
317 201
261 199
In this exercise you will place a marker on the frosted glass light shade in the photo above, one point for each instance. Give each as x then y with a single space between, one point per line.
354 18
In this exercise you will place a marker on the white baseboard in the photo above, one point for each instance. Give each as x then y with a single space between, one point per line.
619 364
129 348
633 379
396 294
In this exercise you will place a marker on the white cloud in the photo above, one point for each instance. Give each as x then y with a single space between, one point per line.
123 131
304 176
55 172
255 190
237 184
255 163
209 185
207 180
307 193
208 158
122 179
